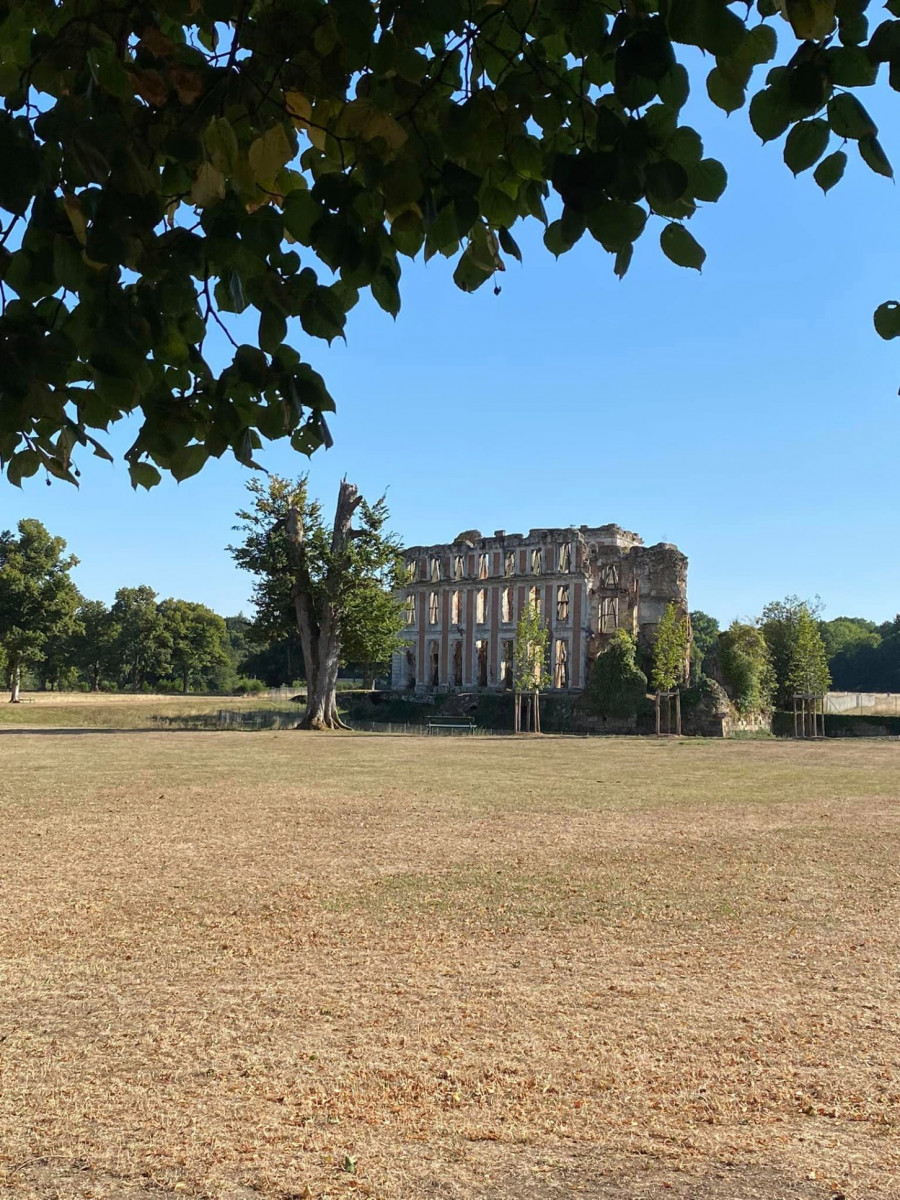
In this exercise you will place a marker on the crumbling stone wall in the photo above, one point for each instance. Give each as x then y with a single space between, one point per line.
465 597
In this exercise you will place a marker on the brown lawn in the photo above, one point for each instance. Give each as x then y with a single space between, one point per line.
296 965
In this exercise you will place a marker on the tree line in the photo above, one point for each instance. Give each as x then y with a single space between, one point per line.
52 637
326 599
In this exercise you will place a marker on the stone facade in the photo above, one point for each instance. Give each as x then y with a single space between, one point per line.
464 598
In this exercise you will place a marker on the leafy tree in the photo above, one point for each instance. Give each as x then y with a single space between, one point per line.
322 581
162 162
843 632
37 596
616 687
746 667
670 649
530 649
93 646
140 645
373 622
779 624
704 640
275 662
195 638
808 670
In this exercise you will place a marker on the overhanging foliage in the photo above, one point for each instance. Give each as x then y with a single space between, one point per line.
167 164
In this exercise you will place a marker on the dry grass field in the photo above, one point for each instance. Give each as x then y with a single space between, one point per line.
286 965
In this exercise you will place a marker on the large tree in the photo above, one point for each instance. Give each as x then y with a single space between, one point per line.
780 622
746 667
141 646
808 669
167 164
93 647
196 640
671 649
37 597
338 585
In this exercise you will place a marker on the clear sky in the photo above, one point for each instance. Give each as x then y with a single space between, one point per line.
748 414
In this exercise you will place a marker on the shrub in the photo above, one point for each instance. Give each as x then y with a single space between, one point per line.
616 688
249 687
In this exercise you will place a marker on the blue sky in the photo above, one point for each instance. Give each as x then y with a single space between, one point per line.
748 414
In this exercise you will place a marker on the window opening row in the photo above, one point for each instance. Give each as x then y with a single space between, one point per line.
435 570
507 606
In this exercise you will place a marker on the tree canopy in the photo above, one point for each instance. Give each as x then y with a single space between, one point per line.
37 597
337 587
169 164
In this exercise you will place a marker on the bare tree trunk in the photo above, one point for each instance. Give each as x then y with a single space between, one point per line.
15 680
320 632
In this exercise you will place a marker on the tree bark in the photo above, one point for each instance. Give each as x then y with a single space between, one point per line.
15 681
319 625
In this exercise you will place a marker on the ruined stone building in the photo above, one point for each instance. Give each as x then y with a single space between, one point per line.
464 598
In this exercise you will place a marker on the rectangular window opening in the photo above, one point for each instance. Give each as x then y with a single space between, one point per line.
409 613
434 608
435 570
457 664
537 562
509 564
561 670
506 601
481 606
459 566
483 566
507 652
609 614
481 651
562 602
565 558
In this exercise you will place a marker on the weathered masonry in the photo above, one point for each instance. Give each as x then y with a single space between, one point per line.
464 598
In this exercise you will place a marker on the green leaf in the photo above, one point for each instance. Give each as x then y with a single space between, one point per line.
830 170
268 154
554 239
811 19
884 44
208 187
509 245
848 118
851 66
887 320
221 145
616 225
623 260
187 461
272 329
707 180
23 465
770 114
666 180
408 233
143 474
724 93
674 87
301 212
874 156
805 144
681 247
386 292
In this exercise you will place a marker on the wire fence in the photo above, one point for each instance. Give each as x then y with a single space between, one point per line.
264 718
269 718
